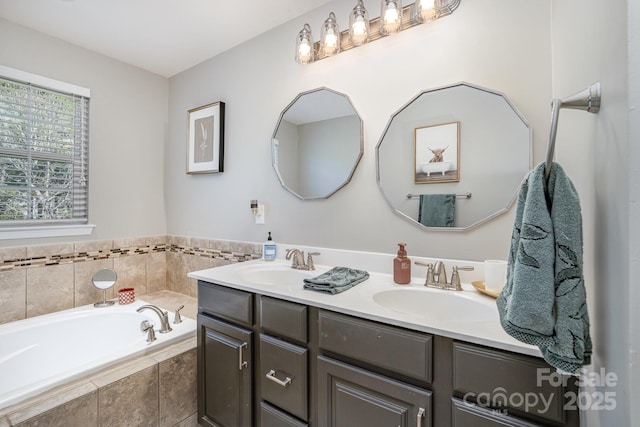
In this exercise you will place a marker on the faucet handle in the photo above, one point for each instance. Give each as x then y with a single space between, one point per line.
455 276
310 255
147 327
429 278
177 318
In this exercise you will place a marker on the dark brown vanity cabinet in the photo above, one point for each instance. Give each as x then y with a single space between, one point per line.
264 361
225 357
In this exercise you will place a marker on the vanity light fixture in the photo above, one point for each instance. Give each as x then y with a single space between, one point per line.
254 207
393 18
304 46
359 28
390 16
330 36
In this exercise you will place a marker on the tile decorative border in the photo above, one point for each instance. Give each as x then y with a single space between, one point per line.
93 255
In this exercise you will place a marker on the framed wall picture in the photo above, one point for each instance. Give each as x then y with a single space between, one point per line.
437 153
205 138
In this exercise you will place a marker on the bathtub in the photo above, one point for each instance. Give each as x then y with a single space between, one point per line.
435 167
39 353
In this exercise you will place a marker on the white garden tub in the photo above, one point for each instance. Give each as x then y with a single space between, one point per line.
39 353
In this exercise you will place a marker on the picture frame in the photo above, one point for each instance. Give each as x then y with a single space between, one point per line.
205 138
437 153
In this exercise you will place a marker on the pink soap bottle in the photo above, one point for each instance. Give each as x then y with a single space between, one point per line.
402 266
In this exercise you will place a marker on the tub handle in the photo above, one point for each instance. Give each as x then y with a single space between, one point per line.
176 317
147 327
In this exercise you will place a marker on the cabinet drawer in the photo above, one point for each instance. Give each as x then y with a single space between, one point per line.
283 319
283 375
503 378
387 347
271 417
227 303
467 414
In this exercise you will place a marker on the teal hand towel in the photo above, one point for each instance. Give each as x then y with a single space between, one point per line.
336 280
437 210
544 300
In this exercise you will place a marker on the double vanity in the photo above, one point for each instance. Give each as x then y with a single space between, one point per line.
271 353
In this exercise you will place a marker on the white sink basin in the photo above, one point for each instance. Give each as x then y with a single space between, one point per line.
437 305
274 274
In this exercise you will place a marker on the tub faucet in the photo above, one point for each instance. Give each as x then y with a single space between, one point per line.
163 315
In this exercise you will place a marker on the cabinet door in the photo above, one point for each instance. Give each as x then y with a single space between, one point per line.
352 397
224 374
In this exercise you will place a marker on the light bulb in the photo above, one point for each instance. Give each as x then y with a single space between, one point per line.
304 46
359 25
425 10
359 28
391 16
330 36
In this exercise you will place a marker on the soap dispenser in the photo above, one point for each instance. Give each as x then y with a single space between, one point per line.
269 249
402 266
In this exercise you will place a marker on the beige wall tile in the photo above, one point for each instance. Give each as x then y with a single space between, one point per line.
156 268
93 245
10 254
129 242
49 250
131 270
156 240
13 295
80 412
132 401
190 421
85 292
178 388
49 289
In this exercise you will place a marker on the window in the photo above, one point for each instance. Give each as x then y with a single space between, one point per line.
44 137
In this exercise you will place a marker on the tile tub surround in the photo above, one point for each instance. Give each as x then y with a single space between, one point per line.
37 280
157 389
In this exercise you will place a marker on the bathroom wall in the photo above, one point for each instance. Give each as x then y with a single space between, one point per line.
258 79
590 44
128 131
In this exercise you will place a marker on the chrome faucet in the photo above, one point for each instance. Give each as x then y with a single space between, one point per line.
437 276
163 315
297 259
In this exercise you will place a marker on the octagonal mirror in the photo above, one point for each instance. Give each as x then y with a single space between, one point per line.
453 157
317 144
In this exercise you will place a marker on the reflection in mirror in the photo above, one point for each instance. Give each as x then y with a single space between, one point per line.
453 157
317 144
104 279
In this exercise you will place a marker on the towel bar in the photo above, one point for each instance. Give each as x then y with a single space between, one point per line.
459 196
587 100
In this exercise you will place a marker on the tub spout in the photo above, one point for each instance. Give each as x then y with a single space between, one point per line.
163 315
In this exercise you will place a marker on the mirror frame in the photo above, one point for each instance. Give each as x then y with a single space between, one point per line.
356 161
481 220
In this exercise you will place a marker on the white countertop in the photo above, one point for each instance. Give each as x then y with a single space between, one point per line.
359 301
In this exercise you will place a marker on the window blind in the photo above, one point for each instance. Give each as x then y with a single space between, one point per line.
44 142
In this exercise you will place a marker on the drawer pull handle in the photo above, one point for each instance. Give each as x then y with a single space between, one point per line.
272 376
421 412
241 362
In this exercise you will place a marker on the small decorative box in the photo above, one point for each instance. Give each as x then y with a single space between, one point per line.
126 296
